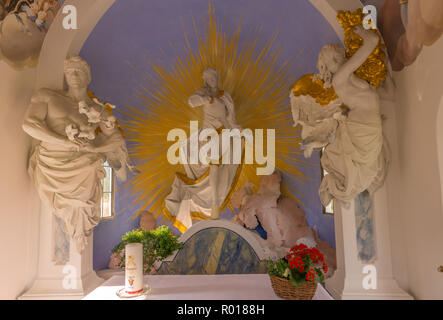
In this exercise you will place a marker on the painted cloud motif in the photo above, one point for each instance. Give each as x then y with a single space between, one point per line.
23 27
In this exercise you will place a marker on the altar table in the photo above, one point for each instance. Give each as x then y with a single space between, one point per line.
199 287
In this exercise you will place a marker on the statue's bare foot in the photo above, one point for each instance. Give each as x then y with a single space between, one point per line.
215 211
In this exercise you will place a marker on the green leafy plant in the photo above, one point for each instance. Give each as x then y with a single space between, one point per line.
301 264
157 245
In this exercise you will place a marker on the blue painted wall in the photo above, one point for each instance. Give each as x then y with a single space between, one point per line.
135 31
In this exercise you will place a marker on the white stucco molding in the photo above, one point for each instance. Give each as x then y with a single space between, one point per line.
329 9
255 241
61 43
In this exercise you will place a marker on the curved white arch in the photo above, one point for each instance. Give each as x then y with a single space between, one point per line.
60 43
260 246
329 8
254 240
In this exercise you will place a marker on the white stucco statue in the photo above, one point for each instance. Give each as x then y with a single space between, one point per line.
284 222
283 227
66 168
205 186
346 120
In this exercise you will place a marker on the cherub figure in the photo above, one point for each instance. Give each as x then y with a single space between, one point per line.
284 222
281 218
114 149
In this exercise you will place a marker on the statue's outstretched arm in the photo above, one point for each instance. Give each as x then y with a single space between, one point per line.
198 99
34 122
370 41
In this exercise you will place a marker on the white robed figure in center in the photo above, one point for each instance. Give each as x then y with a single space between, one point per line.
202 192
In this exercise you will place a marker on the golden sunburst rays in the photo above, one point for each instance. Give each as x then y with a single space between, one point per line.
250 70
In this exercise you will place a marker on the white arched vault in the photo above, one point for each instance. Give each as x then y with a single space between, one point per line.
329 8
61 43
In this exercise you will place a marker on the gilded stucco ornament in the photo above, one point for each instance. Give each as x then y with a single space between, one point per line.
339 111
315 87
374 69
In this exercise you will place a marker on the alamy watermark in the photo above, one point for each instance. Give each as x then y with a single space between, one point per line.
370 18
69 281
209 147
70 20
370 280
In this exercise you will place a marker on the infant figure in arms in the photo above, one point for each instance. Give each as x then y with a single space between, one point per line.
75 135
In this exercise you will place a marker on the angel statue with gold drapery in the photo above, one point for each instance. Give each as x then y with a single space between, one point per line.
340 112
205 186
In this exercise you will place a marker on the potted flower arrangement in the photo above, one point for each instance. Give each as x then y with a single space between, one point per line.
296 276
157 245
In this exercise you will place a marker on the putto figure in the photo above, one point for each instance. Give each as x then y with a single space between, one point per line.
206 185
66 166
344 118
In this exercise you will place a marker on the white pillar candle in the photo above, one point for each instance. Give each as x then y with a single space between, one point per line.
133 268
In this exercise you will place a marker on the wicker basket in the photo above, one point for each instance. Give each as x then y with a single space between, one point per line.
286 290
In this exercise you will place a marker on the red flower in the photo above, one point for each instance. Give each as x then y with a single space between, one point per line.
296 260
314 257
301 267
310 276
298 248
325 268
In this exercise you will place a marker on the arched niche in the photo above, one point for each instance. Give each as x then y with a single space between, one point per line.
61 43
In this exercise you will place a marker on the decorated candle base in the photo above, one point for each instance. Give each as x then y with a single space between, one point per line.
123 294
133 272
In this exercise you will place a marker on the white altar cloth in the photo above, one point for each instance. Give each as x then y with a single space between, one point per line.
199 287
